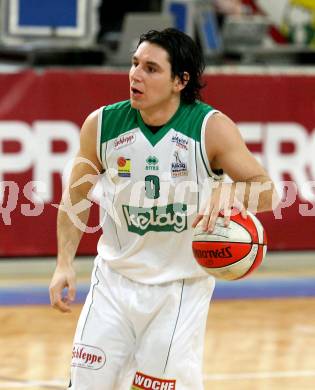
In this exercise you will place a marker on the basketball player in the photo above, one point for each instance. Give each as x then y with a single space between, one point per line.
143 322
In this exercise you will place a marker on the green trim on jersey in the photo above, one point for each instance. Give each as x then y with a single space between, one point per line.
203 160
117 119
120 118
187 120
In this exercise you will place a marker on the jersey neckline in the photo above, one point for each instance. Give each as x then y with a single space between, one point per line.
154 138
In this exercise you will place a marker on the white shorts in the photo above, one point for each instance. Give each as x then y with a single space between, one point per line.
137 336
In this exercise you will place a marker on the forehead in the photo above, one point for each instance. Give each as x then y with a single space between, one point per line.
150 52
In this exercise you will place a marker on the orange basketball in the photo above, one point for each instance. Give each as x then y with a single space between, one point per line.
231 252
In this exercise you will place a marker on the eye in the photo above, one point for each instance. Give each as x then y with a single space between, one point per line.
151 69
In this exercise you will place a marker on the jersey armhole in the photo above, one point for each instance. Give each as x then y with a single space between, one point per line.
99 135
203 147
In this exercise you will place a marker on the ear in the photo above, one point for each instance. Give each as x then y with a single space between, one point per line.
180 84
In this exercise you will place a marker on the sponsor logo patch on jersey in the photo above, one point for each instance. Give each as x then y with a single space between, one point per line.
152 163
142 381
87 356
180 141
178 167
170 218
124 140
124 167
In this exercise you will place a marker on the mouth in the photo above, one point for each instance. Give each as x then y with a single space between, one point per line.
135 92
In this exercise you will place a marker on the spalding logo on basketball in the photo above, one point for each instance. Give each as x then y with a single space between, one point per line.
231 252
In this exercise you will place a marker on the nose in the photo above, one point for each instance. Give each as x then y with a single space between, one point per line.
135 73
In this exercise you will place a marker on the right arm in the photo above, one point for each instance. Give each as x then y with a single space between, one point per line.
70 219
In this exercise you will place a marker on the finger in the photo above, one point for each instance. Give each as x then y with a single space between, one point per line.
51 295
62 305
71 293
212 220
227 217
239 208
206 217
57 301
54 295
205 222
197 220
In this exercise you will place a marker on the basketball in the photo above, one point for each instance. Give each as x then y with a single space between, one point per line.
231 252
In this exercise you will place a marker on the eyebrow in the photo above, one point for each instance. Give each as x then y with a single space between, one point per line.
152 63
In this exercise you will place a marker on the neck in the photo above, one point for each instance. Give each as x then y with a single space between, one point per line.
159 116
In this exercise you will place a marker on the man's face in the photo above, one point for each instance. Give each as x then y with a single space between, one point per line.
150 76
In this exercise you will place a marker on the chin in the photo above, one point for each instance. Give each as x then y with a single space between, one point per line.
135 103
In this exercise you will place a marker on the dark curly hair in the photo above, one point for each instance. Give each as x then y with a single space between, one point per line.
184 56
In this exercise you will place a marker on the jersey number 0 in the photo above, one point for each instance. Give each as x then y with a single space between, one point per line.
152 186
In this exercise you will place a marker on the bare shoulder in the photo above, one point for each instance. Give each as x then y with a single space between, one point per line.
88 138
221 125
221 132
89 127
226 149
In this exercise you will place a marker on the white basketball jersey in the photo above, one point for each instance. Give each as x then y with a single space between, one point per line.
151 191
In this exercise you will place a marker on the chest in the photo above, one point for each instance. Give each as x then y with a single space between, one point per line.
132 156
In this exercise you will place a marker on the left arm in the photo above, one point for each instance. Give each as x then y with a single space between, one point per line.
227 150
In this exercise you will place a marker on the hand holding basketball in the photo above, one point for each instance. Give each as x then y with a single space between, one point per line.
233 251
223 198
